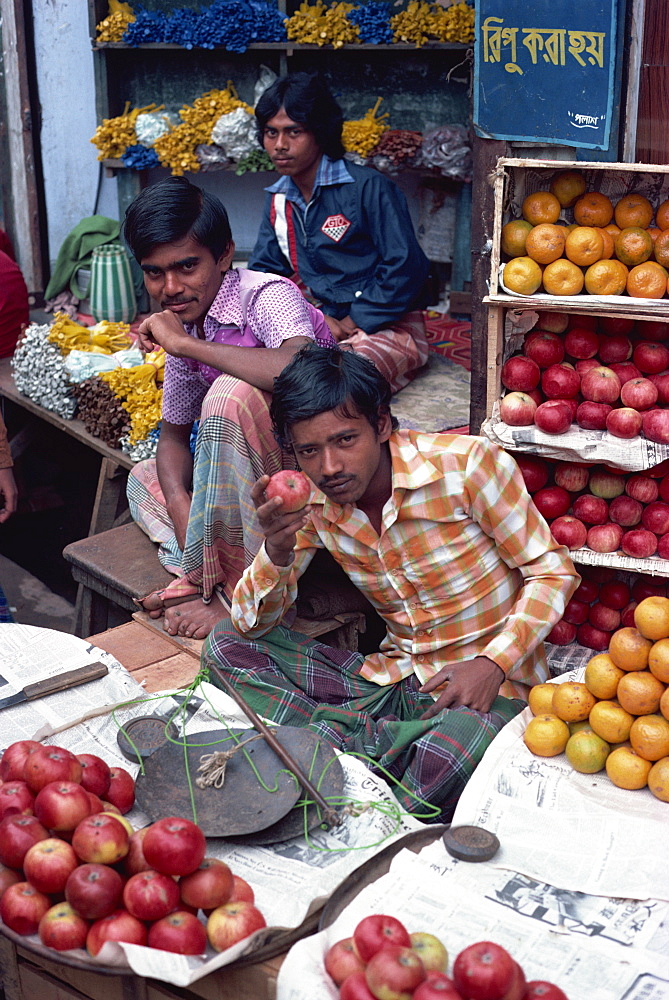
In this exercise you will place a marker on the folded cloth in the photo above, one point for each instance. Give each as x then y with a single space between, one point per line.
76 251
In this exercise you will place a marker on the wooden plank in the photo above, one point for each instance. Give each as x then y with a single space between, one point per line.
35 983
635 44
191 646
620 168
110 491
596 305
133 645
174 672
495 349
250 982
9 970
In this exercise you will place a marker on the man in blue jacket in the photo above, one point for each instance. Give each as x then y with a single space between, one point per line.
345 230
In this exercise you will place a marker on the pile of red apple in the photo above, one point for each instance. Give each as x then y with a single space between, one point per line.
602 373
382 961
73 870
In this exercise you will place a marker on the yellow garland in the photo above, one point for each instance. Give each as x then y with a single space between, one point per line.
103 338
115 134
413 24
140 392
362 136
317 24
176 149
113 27
456 24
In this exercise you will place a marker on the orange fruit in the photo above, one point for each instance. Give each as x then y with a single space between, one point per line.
584 245
664 704
629 648
546 735
661 248
577 727
626 769
662 215
653 232
545 243
593 209
568 186
610 721
651 617
633 245
562 277
602 676
514 234
639 692
522 275
649 736
612 228
587 752
646 281
542 206
606 277
572 701
540 699
658 660
633 210
607 252
658 779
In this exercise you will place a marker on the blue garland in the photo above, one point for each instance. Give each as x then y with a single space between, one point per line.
227 23
373 19
140 158
268 23
148 26
181 27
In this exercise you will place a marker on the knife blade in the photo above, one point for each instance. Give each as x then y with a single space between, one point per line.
51 685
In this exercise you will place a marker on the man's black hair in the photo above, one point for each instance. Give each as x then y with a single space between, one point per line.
319 379
174 210
307 100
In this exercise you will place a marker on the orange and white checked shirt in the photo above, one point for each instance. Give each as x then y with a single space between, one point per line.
465 565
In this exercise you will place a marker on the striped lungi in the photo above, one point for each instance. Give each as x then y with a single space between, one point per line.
295 681
398 351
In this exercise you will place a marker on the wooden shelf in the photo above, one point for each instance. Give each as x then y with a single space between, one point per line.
290 46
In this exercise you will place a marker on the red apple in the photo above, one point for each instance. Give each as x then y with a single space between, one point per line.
51 764
652 329
430 950
134 860
571 476
14 758
624 422
581 343
614 349
96 774
663 547
650 357
553 416
48 864
535 471
121 791
61 805
231 923
639 542
95 803
592 416
656 425
560 382
585 364
625 370
22 907
208 886
600 385
663 489
342 960
94 891
117 926
293 488
241 891
627 613
569 531
15 799
376 931
555 322
436 986
655 517
355 987
552 501
539 989
639 393
17 834
616 325
659 470
615 594
517 409
174 846
587 591
606 619
150 895
536 395
520 374
606 484
62 929
101 839
661 383
625 511
394 972
642 488
605 537
593 638
179 932
591 509
648 586
598 574
7 877
543 347
582 323
562 634
484 971
576 612
572 403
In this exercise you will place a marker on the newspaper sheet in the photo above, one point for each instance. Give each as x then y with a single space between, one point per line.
594 948
289 879
573 831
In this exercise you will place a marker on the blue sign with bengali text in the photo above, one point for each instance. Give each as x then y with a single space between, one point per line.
544 71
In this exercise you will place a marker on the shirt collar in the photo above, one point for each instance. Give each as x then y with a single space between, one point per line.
329 172
226 309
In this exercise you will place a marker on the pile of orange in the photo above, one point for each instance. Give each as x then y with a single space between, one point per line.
608 249
617 718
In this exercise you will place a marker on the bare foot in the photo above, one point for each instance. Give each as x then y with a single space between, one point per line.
156 604
194 619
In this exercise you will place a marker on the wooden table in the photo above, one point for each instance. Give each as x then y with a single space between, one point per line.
114 463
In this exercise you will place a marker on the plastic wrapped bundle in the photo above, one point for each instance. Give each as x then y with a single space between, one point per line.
83 365
235 133
448 149
103 338
141 393
101 411
39 372
146 448
150 125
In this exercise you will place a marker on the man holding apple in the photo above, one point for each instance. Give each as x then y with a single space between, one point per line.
440 534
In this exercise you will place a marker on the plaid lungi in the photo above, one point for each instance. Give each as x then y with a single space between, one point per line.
398 351
295 681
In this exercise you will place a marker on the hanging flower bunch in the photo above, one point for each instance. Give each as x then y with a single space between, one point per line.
373 21
176 149
318 24
362 136
454 24
115 134
140 391
413 24
113 27
103 338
